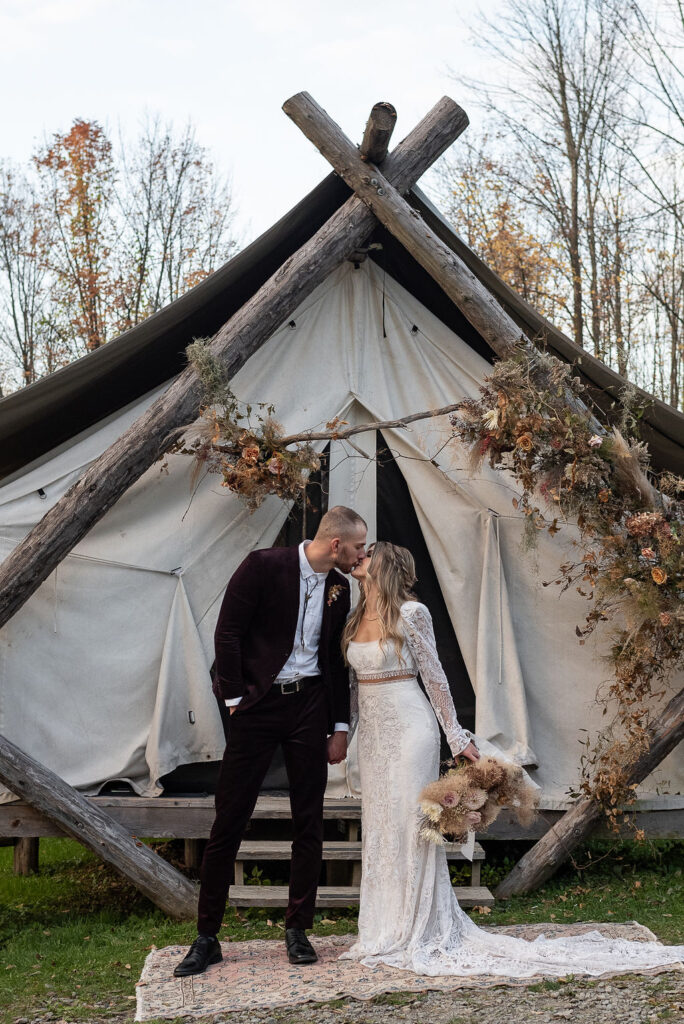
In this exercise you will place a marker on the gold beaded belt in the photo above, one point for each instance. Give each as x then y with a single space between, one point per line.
389 678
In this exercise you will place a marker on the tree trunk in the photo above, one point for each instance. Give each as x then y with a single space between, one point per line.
59 802
546 856
126 460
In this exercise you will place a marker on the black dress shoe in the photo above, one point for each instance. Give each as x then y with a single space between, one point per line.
299 949
204 951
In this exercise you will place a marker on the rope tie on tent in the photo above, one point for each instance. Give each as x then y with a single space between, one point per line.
178 571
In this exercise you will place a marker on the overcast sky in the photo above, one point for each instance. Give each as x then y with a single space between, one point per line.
228 65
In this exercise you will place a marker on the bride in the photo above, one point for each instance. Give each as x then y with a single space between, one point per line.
409 917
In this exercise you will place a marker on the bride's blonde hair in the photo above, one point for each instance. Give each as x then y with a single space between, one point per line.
393 570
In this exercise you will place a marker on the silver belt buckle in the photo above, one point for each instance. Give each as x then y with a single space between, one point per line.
294 683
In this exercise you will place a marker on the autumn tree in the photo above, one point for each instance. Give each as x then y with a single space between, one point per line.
479 195
77 177
94 238
177 219
25 334
563 89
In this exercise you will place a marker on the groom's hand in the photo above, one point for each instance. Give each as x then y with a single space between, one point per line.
337 747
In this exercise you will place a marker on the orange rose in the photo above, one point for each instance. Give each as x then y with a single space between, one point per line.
525 442
665 619
658 575
604 495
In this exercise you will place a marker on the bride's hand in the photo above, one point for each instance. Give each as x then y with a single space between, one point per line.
471 752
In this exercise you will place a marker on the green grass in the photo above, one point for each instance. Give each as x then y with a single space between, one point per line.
74 937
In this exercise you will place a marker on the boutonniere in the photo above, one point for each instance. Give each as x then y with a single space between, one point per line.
334 593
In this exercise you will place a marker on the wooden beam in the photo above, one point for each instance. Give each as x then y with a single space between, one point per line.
76 816
109 476
192 817
385 200
546 856
378 133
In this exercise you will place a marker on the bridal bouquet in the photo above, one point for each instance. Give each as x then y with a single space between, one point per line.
472 795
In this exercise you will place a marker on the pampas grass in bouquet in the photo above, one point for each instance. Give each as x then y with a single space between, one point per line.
471 796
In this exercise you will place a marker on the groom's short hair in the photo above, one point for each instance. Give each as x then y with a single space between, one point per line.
339 521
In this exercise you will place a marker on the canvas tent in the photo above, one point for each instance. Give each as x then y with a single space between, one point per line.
105 669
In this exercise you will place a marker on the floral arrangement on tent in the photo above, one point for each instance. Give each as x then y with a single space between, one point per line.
252 458
472 795
630 558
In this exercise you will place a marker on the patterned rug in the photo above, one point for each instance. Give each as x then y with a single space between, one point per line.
257 974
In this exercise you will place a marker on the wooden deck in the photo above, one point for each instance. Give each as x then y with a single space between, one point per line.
191 817
337 896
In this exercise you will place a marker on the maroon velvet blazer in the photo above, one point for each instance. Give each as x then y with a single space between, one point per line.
256 627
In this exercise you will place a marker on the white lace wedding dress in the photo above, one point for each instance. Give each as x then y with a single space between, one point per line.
409 917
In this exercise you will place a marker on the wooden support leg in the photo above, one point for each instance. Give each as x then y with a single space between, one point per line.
26 856
192 854
539 863
239 873
75 815
476 873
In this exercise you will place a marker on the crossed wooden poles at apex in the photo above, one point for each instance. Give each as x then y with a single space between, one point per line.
378 196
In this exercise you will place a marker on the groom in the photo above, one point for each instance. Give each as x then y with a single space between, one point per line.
279 668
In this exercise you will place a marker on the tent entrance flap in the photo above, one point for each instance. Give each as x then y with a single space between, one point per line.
398 523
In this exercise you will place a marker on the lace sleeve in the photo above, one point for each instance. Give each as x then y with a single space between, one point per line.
353 703
420 637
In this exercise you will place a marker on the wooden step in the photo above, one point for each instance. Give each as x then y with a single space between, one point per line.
337 896
267 849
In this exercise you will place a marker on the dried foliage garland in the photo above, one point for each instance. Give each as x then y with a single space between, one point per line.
630 558
258 459
242 444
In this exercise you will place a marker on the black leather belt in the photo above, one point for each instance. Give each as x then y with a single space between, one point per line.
295 685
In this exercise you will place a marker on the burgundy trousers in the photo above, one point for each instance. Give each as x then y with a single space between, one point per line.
298 722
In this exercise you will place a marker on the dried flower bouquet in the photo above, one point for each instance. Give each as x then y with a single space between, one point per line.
471 796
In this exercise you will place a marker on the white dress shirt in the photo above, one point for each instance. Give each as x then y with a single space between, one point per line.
303 660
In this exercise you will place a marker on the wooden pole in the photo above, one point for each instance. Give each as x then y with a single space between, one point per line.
69 520
376 137
61 803
193 851
385 200
26 854
111 475
546 856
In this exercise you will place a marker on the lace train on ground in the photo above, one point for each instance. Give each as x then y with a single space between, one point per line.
409 917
